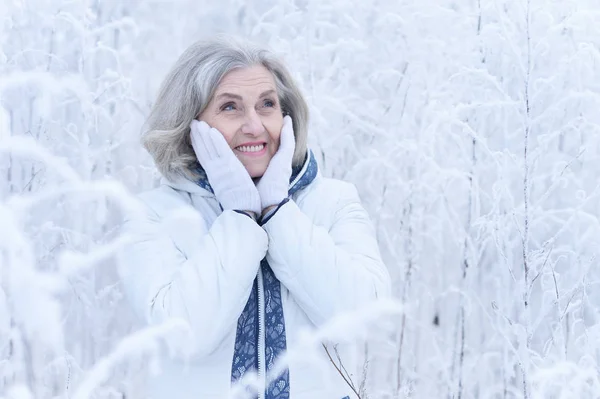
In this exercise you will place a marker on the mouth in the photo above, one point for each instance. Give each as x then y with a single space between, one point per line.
255 149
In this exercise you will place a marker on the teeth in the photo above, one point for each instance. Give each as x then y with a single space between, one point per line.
251 148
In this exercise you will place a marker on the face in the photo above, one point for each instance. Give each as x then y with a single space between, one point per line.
245 109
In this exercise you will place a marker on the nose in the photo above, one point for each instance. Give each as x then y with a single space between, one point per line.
252 124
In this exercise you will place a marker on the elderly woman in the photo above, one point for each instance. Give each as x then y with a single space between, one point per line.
282 249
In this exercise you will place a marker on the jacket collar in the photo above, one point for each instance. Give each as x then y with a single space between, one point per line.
302 176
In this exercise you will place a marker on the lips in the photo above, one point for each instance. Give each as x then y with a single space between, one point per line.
251 148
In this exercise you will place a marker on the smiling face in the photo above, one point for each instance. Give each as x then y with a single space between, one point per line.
245 109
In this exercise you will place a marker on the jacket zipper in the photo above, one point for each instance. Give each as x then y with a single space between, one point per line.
261 335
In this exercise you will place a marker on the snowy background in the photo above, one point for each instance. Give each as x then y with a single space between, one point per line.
470 127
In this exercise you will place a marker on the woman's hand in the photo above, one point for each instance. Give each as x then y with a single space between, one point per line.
227 176
273 185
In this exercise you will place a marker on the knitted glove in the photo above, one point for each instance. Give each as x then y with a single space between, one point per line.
228 178
273 185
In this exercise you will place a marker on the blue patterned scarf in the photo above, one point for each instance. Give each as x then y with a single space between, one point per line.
245 356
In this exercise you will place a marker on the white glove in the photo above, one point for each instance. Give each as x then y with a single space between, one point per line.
273 185
228 178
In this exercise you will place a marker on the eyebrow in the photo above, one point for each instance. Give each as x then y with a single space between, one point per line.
238 97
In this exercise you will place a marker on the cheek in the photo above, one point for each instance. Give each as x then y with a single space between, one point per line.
228 133
274 129
275 136
226 128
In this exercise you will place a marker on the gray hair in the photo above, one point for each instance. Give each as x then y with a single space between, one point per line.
189 87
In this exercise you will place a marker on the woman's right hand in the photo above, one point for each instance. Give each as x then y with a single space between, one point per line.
228 178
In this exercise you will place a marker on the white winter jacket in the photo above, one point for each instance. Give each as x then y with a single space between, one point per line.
320 245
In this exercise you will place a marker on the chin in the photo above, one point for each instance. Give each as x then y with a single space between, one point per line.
255 172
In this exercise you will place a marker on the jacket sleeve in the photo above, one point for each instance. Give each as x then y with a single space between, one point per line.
207 288
327 270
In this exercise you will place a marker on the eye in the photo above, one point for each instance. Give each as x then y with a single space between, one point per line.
228 107
269 103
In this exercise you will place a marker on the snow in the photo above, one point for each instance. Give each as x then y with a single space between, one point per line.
471 130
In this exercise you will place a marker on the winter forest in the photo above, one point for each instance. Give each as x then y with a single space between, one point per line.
470 129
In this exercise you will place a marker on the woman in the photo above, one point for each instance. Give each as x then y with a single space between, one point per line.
281 249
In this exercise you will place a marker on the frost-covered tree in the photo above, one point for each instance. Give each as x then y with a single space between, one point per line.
470 129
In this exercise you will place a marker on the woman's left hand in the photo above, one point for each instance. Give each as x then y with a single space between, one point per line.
273 185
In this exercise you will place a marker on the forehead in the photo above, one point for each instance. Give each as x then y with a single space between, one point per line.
246 79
